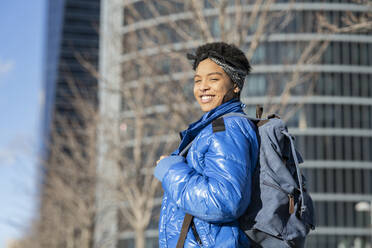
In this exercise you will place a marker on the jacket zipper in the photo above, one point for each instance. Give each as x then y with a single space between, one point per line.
290 196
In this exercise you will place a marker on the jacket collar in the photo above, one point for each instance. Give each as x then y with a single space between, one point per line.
234 105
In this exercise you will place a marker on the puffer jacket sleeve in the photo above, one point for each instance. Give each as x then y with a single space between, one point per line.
222 192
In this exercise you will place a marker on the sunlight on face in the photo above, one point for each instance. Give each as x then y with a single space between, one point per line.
211 84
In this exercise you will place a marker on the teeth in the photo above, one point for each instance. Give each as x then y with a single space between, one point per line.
206 97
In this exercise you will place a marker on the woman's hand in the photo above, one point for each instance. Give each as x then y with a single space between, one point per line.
164 163
161 157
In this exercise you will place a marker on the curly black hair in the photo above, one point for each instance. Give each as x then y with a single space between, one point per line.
228 52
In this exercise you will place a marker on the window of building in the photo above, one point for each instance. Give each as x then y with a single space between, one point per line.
259 55
255 85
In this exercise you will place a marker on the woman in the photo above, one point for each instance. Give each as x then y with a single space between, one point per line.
213 182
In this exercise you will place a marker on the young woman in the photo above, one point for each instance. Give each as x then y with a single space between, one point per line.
213 182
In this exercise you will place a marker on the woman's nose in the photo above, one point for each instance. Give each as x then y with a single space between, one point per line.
204 85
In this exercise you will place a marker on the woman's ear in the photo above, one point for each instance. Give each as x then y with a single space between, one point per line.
236 89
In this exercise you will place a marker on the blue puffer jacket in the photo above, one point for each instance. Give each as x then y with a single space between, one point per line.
213 183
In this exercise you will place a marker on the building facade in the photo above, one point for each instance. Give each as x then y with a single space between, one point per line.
329 111
72 31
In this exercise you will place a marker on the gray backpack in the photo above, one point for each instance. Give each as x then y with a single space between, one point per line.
281 211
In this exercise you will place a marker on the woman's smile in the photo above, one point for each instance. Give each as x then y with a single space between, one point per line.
206 98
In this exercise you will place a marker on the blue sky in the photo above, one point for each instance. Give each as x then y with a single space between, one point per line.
22 41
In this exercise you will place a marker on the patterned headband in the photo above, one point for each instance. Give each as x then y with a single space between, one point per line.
232 70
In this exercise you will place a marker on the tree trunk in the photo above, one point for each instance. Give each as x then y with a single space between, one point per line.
140 238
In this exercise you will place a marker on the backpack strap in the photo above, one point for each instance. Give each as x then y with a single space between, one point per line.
185 150
185 228
257 121
259 111
218 125
241 115
187 222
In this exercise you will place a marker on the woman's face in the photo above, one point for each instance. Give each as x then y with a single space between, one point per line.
211 84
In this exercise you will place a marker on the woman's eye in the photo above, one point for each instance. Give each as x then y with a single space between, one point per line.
197 81
214 79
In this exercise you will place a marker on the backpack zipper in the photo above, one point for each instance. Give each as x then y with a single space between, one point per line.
290 196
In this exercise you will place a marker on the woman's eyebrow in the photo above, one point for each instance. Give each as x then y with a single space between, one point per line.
216 72
219 73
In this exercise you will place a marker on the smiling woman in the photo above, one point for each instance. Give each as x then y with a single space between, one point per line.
207 180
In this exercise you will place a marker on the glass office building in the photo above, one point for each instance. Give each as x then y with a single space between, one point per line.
71 32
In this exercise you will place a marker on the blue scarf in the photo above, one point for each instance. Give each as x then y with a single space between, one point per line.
234 105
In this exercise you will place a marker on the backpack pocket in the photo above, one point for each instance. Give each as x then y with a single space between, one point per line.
276 206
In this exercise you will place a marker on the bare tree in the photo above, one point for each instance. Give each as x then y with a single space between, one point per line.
350 22
313 53
69 177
